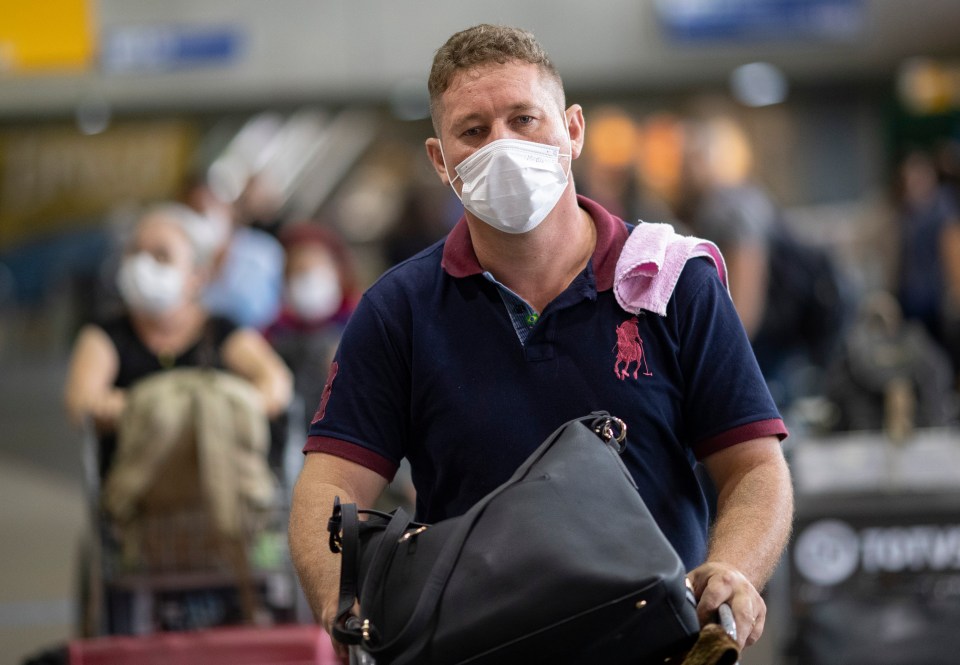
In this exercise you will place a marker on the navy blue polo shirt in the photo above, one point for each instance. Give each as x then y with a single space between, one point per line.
431 368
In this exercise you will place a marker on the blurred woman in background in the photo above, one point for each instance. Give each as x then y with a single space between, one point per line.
320 293
161 278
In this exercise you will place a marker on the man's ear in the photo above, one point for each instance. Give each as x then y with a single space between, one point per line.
577 127
436 158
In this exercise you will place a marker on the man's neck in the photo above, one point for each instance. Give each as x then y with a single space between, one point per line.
539 265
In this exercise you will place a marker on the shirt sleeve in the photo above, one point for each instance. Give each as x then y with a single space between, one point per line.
727 400
363 414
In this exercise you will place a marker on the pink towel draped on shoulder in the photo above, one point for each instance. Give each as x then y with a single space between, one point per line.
650 265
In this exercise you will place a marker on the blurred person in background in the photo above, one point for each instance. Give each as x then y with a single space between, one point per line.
320 291
260 204
787 292
164 326
246 269
927 265
421 222
726 206
612 169
889 374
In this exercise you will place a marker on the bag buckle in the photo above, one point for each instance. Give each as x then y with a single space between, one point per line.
604 428
369 633
411 534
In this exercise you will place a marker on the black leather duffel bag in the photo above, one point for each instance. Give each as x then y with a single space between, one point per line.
563 563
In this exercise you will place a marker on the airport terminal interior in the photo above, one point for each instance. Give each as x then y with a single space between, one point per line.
833 125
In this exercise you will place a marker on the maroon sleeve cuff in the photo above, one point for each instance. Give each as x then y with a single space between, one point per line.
761 428
352 452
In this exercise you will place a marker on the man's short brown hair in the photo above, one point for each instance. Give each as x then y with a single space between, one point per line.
483 44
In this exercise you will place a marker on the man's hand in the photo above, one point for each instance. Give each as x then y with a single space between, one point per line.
715 583
754 515
328 617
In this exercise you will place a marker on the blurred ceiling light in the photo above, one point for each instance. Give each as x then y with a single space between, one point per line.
758 84
661 153
227 177
93 115
613 137
725 150
245 155
926 86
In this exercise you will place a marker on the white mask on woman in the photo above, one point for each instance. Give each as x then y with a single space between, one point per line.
148 286
315 294
512 184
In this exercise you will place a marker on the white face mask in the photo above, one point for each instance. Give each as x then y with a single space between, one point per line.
512 184
149 286
315 294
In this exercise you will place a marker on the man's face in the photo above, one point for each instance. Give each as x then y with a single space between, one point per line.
494 101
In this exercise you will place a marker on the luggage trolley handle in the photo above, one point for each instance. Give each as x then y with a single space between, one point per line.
727 622
360 657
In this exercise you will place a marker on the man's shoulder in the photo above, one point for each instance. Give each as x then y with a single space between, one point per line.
698 285
419 271
697 271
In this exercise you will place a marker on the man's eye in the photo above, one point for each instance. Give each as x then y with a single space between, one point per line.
525 119
473 131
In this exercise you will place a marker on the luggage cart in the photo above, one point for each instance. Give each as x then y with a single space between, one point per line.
277 645
181 576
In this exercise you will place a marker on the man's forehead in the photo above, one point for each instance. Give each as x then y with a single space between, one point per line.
532 89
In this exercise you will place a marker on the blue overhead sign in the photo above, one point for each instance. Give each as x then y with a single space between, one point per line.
747 20
157 48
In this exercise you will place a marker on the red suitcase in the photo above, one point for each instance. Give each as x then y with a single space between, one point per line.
276 645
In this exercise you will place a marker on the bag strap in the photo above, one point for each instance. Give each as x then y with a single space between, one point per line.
344 527
443 568
349 546
380 563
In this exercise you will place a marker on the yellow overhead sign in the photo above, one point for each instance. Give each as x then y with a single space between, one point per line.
46 36
53 178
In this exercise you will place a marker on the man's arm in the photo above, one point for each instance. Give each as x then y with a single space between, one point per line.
754 518
322 478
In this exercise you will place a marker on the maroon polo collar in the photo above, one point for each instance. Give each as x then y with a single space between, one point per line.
459 259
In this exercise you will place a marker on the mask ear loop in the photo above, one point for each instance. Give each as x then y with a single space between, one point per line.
566 128
447 171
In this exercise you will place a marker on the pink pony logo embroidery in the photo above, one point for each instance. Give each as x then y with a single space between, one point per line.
325 397
629 350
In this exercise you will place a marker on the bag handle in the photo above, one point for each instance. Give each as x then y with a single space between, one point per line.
436 582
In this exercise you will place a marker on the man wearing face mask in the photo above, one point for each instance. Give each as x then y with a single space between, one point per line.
465 357
160 280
